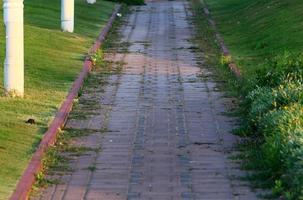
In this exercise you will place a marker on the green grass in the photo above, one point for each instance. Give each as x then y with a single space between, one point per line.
52 61
258 29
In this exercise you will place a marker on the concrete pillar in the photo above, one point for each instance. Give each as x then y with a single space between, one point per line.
67 15
14 60
91 1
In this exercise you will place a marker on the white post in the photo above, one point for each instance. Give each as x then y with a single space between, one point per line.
91 1
67 15
14 61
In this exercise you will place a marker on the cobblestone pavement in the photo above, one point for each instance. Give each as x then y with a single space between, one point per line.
160 125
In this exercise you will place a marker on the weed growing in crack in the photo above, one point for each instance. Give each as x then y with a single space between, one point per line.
97 57
79 150
92 168
76 133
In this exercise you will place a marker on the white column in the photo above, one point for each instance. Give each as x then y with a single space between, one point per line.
67 15
91 1
14 61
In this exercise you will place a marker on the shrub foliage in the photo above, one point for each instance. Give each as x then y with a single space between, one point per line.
275 120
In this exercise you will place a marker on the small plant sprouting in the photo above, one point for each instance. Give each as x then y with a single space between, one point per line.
42 181
97 57
225 60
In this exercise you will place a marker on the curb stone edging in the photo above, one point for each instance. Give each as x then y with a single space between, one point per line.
34 167
232 66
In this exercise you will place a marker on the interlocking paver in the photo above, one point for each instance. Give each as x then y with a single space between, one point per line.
164 135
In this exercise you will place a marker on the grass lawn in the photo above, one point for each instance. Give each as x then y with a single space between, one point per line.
258 29
52 61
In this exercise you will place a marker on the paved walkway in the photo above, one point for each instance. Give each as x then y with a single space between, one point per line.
164 136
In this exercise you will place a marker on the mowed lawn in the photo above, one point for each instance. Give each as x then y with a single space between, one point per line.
258 29
52 61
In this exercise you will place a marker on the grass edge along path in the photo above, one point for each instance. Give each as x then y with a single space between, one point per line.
226 57
56 162
53 60
24 186
271 91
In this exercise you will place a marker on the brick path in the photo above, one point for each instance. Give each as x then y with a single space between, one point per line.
165 135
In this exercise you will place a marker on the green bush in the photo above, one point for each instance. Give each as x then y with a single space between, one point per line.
275 117
265 99
288 66
283 147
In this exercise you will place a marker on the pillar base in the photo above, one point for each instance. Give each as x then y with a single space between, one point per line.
67 26
14 94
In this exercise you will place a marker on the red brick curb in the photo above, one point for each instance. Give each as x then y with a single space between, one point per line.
232 66
29 176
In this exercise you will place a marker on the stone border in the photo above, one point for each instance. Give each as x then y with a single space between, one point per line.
29 176
232 66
